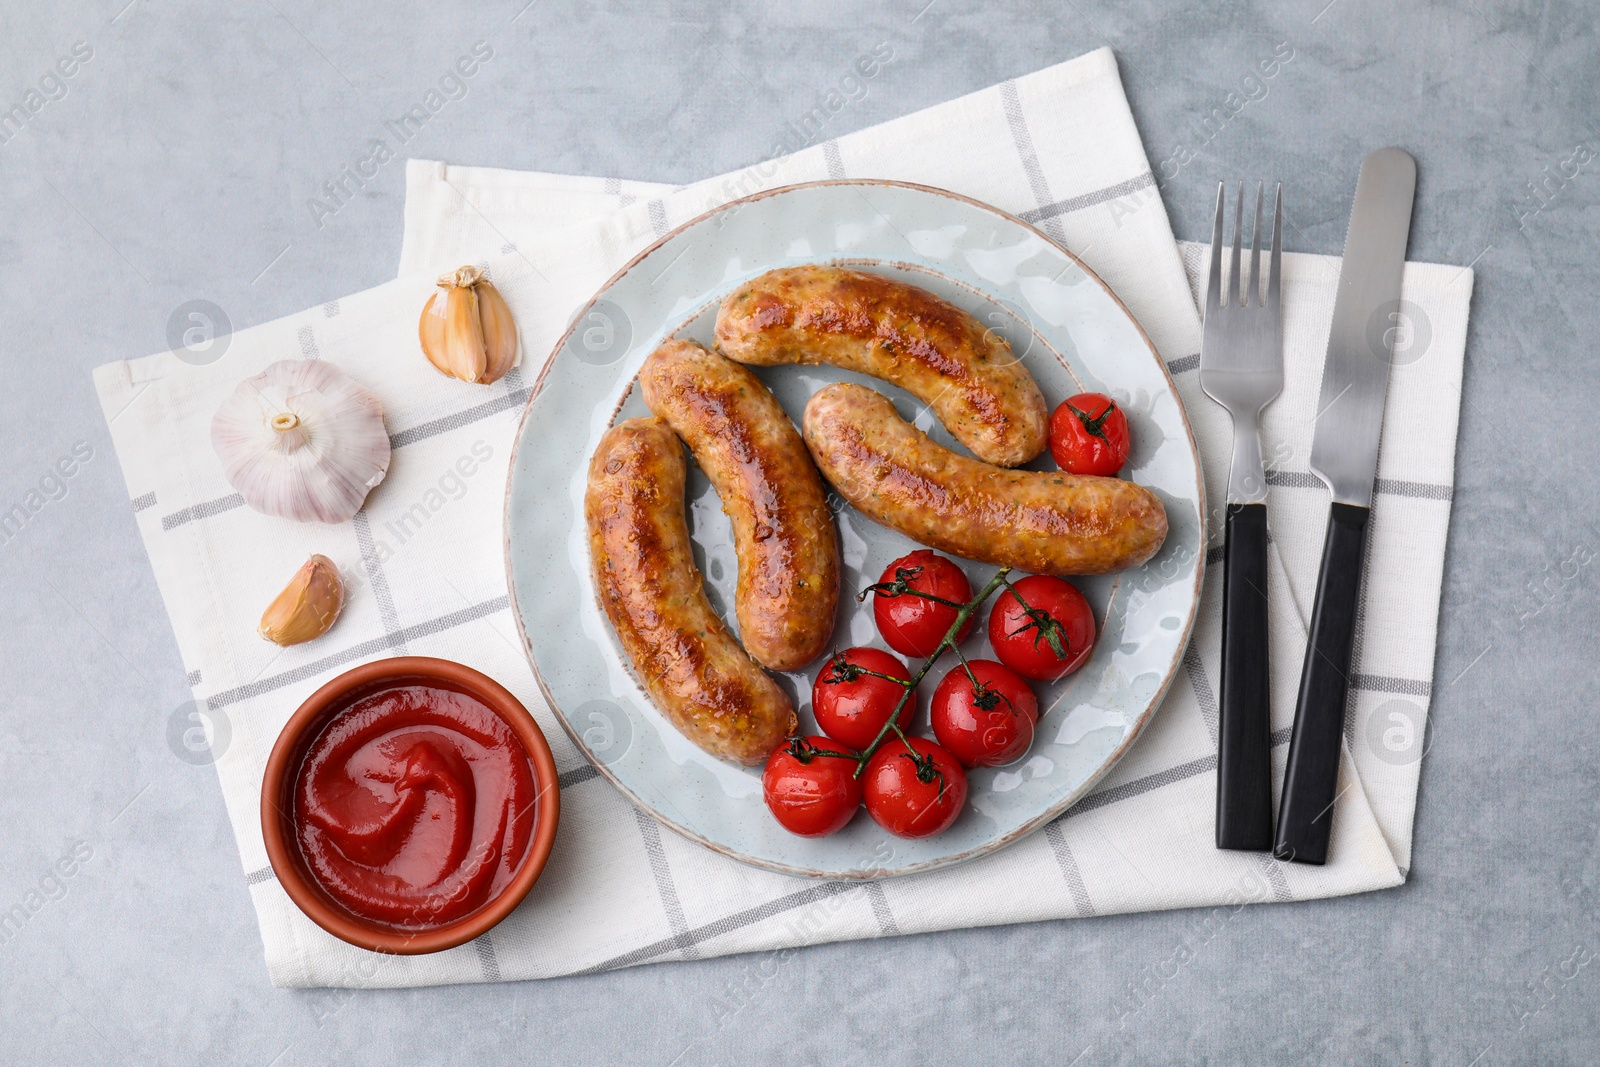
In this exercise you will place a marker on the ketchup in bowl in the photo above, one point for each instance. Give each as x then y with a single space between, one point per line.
414 806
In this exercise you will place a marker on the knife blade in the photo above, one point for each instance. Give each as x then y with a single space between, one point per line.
1344 454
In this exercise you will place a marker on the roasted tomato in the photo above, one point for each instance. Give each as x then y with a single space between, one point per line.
1089 435
810 786
856 692
987 724
914 788
1047 633
916 601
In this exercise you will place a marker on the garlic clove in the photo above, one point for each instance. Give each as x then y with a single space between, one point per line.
302 440
466 328
499 333
308 605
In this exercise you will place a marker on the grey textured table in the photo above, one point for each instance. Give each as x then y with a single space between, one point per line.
176 162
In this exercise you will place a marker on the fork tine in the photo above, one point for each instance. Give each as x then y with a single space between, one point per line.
1252 293
1214 280
1274 281
1233 265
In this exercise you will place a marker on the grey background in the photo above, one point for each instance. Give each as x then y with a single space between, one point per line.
177 166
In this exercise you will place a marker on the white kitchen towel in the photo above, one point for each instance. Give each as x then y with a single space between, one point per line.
1058 147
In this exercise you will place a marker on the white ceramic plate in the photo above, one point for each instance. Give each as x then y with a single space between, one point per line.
1073 334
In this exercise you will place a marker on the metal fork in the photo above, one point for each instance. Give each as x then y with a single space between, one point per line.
1241 368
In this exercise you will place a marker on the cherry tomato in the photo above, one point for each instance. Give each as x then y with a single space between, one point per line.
811 787
914 791
913 625
1047 634
852 700
1089 435
989 725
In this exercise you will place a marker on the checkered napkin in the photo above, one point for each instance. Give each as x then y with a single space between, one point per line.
1057 147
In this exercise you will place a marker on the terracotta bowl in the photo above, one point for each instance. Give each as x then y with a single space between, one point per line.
303 727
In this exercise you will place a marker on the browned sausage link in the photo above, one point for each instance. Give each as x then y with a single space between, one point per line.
650 590
875 325
783 531
1042 522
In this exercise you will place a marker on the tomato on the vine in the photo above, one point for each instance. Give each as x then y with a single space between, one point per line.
1047 633
1089 435
912 624
810 786
914 788
989 724
856 692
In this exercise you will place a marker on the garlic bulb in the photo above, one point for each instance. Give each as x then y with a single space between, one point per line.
466 328
308 606
302 440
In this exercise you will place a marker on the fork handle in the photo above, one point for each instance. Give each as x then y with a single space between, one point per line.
1305 814
1247 482
1244 745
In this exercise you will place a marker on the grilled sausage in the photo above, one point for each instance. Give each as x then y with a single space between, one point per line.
1044 522
783 532
650 590
864 322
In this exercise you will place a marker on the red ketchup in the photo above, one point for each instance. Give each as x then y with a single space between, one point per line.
414 807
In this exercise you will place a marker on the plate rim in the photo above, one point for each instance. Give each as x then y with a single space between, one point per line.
1033 825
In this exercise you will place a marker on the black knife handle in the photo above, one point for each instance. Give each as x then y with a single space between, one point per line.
1305 814
1244 732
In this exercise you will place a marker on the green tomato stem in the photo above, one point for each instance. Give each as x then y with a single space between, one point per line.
945 643
845 671
1049 627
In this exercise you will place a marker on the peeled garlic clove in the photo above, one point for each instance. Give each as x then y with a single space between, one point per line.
467 330
303 441
308 605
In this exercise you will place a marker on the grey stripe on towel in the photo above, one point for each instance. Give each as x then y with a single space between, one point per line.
1099 196
881 910
666 888
1023 139
830 155
1383 486
487 958
1069 868
1203 693
355 652
726 924
201 511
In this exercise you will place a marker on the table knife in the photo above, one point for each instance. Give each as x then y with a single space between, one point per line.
1344 454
